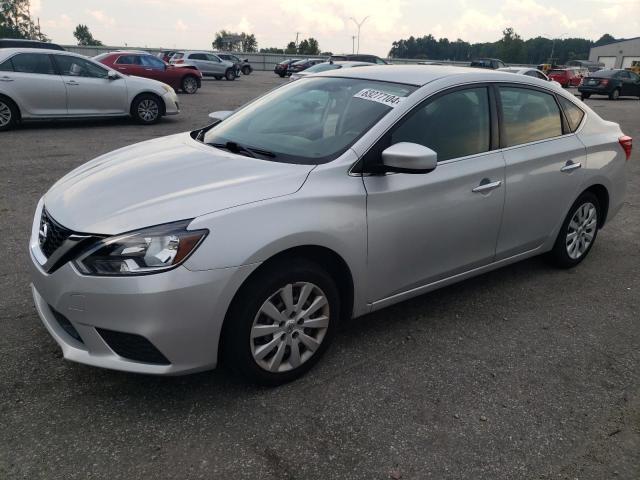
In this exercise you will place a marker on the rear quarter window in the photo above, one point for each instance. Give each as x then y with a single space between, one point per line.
573 113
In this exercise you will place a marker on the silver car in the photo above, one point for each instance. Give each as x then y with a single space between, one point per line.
37 84
208 63
328 198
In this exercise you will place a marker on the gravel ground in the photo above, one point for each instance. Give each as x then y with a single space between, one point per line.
526 372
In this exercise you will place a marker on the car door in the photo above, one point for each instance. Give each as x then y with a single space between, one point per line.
544 161
153 67
129 65
426 227
217 66
89 89
629 83
33 82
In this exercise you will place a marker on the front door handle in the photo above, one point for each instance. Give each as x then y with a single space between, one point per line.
570 166
72 82
486 186
6 79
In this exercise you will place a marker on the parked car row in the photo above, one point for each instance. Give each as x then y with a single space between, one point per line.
613 83
293 66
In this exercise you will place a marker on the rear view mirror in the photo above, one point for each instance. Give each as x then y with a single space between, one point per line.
220 115
111 75
405 157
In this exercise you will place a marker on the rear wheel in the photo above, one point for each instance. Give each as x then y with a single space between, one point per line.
230 74
281 322
246 70
578 232
8 114
146 109
615 94
189 84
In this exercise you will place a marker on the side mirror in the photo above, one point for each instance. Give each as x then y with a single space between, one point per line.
220 115
405 157
111 75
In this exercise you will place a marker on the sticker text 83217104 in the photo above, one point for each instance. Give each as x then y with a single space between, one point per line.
380 97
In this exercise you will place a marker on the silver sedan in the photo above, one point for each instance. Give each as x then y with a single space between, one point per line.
249 240
38 84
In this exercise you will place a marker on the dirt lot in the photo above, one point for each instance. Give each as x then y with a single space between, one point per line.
527 372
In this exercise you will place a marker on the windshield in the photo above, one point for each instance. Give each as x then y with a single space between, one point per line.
310 121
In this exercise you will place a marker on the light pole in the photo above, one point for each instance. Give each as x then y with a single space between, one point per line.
359 24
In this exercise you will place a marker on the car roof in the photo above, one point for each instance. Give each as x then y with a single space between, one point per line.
419 75
6 52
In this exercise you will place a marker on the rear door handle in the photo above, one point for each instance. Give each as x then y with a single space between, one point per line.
6 79
487 186
570 166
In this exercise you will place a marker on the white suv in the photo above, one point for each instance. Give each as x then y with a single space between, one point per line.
208 63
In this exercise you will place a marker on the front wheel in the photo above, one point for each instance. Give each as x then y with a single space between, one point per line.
578 232
230 74
8 114
146 109
189 84
281 322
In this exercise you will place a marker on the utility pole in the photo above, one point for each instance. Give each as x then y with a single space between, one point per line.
297 33
359 24
353 44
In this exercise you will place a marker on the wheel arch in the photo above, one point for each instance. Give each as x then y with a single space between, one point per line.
326 258
602 194
163 107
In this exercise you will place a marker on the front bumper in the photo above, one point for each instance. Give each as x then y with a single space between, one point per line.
171 105
176 315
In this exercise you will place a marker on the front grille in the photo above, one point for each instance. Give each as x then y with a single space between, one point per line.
66 325
52 235
133 347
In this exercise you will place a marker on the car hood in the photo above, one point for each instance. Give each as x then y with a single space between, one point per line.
164 180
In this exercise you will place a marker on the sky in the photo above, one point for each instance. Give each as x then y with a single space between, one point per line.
193 23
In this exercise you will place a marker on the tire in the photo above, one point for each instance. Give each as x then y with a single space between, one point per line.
582 224
218 77
230 74
615 94
9 114
246 70
146 109
268 359
189 84
281 75
584 96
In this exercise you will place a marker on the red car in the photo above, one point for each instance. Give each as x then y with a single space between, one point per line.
181 77
567 77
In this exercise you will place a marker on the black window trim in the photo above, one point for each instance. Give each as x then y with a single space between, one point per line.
494 131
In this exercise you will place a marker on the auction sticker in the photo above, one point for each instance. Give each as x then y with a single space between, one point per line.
380 97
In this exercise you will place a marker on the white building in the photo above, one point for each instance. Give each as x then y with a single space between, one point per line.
618 54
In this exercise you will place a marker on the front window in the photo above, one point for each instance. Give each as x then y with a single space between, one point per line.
310 121
79 67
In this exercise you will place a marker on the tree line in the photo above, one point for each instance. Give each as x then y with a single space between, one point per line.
511 48
245 42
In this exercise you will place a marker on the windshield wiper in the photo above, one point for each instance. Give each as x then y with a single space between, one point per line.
235 147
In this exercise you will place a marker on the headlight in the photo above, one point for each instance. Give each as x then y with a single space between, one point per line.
150 250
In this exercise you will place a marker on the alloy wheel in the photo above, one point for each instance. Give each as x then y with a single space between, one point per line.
581 230
148 110
289 327
5 114
190 85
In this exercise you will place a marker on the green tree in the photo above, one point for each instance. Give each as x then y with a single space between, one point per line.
16 21
272 50
604 39
235 42
291 48
249 42
308 46
84 37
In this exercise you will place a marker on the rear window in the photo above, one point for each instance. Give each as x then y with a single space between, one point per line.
604 73
33 63
573 113
557 72
128 60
